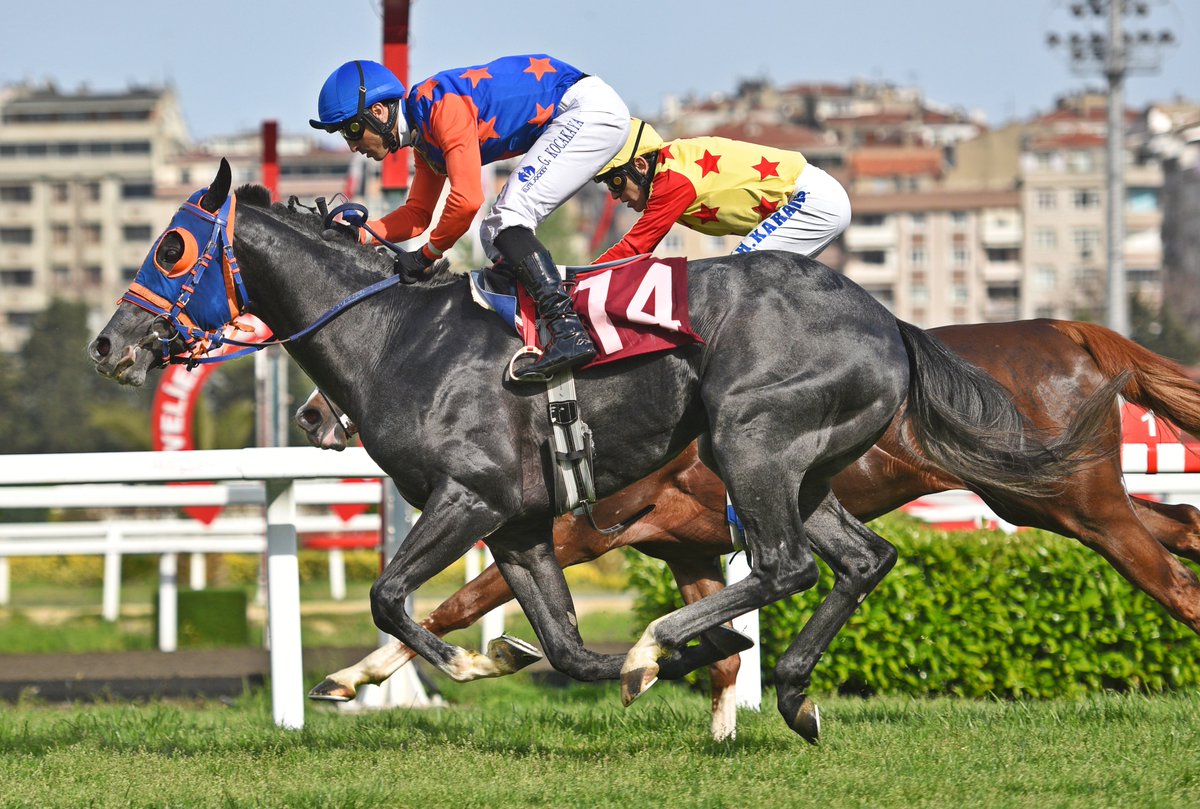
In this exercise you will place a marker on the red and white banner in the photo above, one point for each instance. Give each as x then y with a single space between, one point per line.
1151 445
171 415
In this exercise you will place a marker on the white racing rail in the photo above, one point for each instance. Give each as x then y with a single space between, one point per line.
273 473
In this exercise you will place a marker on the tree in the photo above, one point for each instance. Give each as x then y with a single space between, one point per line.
1162 332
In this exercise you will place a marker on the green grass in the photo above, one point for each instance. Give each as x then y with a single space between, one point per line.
509 743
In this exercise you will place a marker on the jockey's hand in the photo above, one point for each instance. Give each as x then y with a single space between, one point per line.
413 266
340 230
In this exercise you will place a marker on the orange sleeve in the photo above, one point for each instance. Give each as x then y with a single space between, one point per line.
670 195
413 217
453 127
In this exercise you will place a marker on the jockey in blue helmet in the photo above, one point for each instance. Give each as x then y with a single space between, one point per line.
565 123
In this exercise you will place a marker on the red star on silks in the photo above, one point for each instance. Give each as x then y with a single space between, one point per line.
543 114
476 75
767 169
665 153
540 67
765 208
487 129
706 214
708 163
425 89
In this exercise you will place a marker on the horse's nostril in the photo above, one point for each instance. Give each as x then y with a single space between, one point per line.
101 347
308 418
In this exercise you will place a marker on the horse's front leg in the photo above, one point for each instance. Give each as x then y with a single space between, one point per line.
525 555
452 521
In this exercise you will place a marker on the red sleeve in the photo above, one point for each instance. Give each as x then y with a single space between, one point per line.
413 217
670 195
453 127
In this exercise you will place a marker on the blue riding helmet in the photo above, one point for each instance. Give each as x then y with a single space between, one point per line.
351 90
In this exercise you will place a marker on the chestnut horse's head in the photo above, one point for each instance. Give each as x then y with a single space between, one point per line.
188 289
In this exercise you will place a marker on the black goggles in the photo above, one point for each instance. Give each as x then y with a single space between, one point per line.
616 180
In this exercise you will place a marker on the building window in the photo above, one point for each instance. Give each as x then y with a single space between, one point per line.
1085 199
1045 276
1049 311
16 278
871 220
91 191
876 257
1142 276
918 221
919 257
1002 254
960 293
920 294
137 233
961 256
61 274
60 234
60 192
1080 161
883 294
20 320
1045 199
91 233
93 275
1045 238
1009 293
1086 242
16 193
1141 200
137 191
1043 160
1086 277
16 235
958 219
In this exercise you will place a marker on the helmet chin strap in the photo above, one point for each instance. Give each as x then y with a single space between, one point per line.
385 131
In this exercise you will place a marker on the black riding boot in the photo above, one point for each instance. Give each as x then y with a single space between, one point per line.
570 345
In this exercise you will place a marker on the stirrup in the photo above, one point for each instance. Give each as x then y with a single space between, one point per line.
524 351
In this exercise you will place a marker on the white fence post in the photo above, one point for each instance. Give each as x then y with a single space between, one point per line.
283 606
111 597
493 622
168 602
337 574
197 571
4 591
748 690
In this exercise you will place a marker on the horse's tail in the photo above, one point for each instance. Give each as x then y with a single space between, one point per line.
1154 382
965 422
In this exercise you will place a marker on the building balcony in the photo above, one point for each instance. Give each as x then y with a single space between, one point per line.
998 311
999 235
1002 271
870 238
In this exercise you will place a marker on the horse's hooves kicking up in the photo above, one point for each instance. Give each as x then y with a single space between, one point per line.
332 691
801 715
512 654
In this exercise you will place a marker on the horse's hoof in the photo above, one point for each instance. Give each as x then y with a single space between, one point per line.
331 691
636 682
512 654
802 716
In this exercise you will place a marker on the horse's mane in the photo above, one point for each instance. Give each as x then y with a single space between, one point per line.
311 224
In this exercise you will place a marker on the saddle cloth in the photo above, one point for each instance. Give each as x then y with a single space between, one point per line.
631 309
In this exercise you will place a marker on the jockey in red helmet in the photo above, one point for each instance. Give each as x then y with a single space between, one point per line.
567 125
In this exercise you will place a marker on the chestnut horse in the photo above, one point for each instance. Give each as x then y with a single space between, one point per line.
1046 364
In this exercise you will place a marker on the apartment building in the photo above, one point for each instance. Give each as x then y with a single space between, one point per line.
77 194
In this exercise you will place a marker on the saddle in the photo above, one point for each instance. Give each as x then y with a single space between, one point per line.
634 308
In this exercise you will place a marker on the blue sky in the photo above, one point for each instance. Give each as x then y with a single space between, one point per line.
237 63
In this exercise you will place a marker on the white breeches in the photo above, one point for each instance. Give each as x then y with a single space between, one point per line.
816 214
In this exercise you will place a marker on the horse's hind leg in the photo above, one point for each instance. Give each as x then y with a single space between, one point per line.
1176 527
859 558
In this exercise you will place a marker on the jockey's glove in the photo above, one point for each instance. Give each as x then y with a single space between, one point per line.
339 230
413 266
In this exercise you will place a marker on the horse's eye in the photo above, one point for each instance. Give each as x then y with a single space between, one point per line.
176 253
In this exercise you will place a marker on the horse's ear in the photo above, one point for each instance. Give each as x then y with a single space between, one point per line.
218 191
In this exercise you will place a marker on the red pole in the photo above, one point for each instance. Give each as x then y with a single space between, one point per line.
270 157
395 59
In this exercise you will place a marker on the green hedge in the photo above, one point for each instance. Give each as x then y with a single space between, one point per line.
976 614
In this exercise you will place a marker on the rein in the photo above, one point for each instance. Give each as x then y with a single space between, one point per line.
191 329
